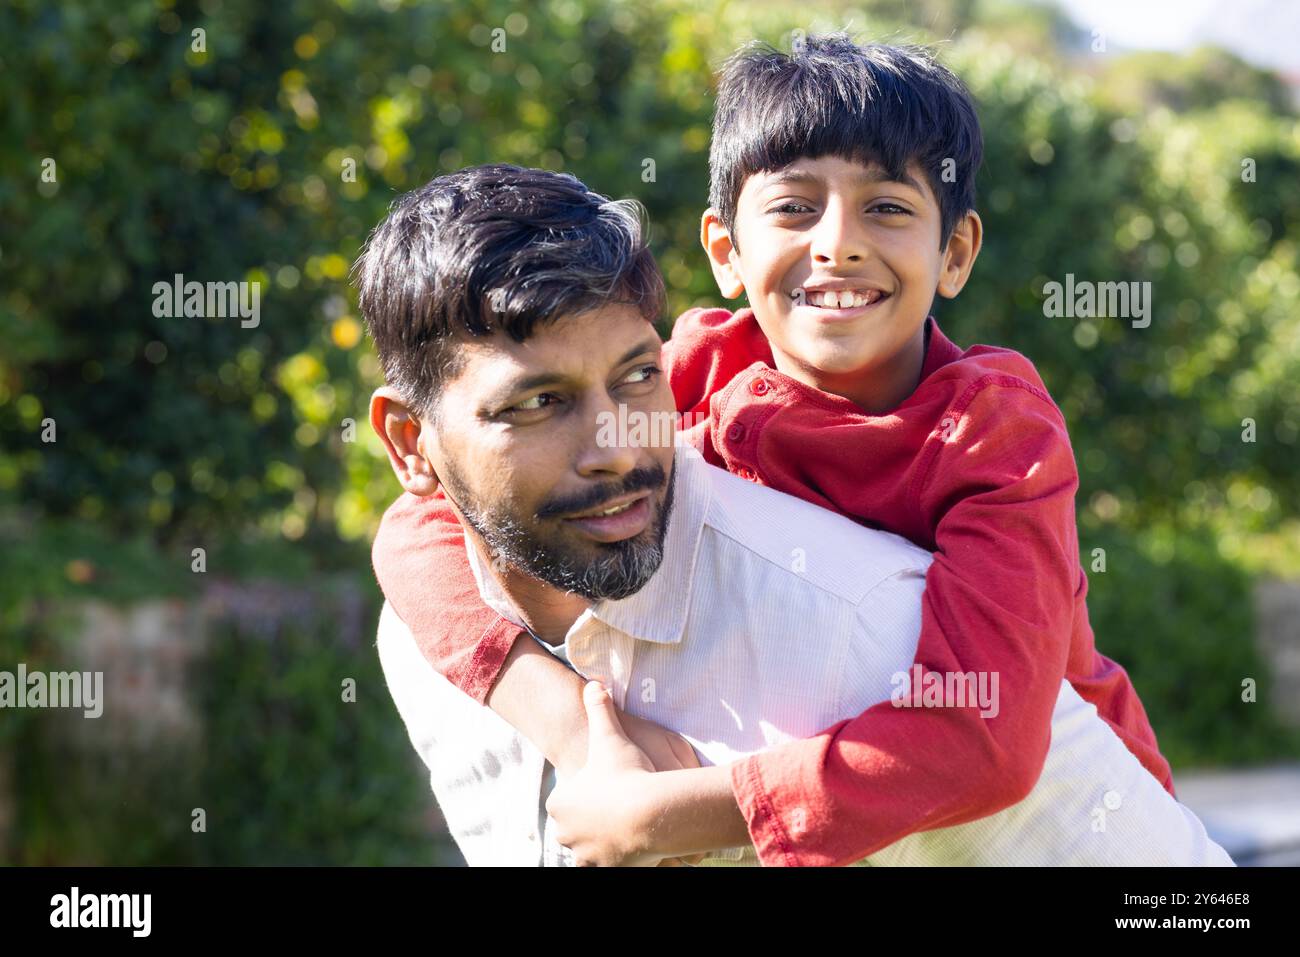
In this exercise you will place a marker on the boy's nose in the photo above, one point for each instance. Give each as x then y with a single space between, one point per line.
838 237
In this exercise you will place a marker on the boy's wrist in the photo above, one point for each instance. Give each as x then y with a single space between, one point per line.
567 747
541 698
686 812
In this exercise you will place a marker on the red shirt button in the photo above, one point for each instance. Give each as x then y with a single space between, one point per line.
735 432
759 387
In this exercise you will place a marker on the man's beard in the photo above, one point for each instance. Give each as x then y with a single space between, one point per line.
616 570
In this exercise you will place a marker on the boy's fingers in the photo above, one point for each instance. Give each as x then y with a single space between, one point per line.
602 720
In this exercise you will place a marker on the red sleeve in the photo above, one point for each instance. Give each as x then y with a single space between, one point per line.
424 573
999 598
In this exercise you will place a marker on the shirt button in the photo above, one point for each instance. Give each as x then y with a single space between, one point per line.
735 432
759 387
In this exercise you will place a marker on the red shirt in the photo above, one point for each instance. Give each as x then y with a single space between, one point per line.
975 466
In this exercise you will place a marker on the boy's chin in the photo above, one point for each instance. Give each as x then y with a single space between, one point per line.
844 352
841 358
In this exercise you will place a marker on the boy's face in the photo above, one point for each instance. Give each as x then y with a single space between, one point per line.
841 266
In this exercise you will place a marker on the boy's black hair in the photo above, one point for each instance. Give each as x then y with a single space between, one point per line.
495 247
831 97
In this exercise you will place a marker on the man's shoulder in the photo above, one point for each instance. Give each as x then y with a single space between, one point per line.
812 544
392 633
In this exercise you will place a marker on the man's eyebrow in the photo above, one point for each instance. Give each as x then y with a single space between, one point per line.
873 174
645 345
531 382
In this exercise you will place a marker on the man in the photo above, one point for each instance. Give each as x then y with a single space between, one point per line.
513 313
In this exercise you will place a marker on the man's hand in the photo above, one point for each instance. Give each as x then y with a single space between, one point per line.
598 812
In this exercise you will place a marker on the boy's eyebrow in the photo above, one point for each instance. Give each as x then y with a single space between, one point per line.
873 174
548 378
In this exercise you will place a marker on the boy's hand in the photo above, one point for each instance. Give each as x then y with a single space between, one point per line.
667 750
597 812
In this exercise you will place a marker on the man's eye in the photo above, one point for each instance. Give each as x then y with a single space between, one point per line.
534 404
643 374
790 209
891 209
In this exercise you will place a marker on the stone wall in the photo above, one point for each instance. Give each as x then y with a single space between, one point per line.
149 652
1277 632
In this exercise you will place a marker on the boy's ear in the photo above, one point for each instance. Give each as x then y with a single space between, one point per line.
399 429
959 257
716 241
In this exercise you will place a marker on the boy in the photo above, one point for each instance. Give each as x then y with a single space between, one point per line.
842 199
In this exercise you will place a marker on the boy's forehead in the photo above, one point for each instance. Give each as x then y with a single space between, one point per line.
817 170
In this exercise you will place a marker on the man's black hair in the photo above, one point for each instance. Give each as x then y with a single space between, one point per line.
490 248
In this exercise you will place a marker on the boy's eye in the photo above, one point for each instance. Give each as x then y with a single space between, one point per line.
891 209
790 209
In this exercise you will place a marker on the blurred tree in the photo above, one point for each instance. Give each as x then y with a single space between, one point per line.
1185 82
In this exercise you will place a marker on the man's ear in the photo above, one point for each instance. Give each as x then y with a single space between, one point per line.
399 429
716 240
959 257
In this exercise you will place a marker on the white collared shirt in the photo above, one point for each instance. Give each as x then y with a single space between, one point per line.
771 619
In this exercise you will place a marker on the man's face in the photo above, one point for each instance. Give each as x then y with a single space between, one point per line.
832 226
520 449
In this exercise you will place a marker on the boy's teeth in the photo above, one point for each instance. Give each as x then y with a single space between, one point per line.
845 299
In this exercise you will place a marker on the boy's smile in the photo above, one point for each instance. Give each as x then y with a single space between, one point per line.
841 264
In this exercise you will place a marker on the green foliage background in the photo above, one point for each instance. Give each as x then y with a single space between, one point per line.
228 164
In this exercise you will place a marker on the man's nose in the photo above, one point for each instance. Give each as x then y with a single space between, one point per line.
605 452
838 238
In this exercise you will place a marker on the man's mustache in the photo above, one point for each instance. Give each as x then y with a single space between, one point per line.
650 477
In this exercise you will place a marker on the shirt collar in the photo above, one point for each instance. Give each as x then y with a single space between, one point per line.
941 352
659 610
488 589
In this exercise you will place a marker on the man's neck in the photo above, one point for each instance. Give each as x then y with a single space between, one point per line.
548 611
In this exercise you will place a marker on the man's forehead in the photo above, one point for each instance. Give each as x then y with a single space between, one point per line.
568 346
